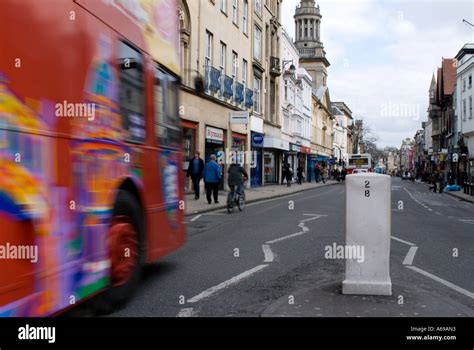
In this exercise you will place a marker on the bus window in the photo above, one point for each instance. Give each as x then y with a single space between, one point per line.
167 121
131 96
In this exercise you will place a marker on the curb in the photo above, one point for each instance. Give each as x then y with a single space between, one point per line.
453 194
222 206
460 198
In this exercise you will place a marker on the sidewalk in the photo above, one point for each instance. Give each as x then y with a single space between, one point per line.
457 194
252 195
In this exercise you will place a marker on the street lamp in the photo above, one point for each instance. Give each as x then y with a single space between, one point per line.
292 68
466 21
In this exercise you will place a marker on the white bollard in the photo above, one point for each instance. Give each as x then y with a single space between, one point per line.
368 228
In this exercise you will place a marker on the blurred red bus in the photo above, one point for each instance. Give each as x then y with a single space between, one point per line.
90 156
359 161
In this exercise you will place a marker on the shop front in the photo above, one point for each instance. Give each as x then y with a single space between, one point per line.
257 157
311 165
272 158
238 146
304 155
189 147
215 145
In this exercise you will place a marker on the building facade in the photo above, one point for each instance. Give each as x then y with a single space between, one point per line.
266 70
312 58
216 78
464 113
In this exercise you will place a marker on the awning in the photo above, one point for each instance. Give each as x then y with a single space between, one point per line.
273 142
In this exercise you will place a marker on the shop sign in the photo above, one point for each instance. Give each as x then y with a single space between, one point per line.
239 117
214 134
257 140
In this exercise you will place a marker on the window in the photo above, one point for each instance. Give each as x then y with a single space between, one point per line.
209 40
245 23
167 120
235 11
469 82
258 7
257 44
464 84
131 97
470 107
244 72
257 86
235 64
224 6
222 57
463 110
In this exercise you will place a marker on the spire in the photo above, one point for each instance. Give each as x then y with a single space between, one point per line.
433 83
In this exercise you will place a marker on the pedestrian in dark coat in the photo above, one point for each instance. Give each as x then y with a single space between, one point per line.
299 174
289 176
284 169
195 169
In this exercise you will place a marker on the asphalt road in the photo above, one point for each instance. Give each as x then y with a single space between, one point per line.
240 264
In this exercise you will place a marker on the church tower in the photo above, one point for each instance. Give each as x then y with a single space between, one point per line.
308 42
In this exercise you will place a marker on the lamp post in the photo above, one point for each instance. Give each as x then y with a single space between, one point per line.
292 68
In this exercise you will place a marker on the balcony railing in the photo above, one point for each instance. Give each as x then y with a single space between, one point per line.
222 86
227 88
248 98
238 93
212 75
307 51
275 68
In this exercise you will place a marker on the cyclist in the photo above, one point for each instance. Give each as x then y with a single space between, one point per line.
237 176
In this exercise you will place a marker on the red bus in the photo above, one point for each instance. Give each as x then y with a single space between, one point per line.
363 162
90 149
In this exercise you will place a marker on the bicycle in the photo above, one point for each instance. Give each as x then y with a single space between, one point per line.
236 198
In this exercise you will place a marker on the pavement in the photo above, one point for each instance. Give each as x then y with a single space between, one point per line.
252 195
269 260
457 194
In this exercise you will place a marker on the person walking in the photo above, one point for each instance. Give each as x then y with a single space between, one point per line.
299 174
284 169
434 182
441 181
325 174
212 176
195 169
344 174
317 173
289 176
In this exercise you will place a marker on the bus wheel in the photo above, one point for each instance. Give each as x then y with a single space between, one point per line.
124 241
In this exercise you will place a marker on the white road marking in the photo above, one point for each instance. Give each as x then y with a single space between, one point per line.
188 312
208 292
401 240
410 256
301 225
268 253
314 216
285 237
416 200
442 281
196 217
467 221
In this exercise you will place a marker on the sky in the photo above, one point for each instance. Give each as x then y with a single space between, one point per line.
383 55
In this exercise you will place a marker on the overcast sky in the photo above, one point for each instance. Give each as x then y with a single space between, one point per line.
383 55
